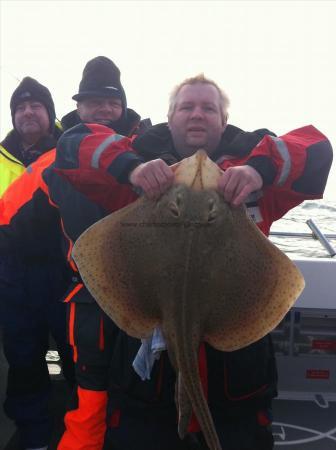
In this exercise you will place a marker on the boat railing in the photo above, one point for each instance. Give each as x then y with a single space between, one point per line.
316 233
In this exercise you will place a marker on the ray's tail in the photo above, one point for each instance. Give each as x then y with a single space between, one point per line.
185 338
189 380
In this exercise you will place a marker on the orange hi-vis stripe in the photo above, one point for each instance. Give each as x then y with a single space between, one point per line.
22 190
72 316
73 292
85 426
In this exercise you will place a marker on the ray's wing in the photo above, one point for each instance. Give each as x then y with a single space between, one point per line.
103 255
258 287
255 284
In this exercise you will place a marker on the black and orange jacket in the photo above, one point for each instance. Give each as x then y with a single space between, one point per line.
29 226
294 167
99 160
42 199
47 246
302 159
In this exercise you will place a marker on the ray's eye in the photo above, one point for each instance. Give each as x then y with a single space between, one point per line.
175 206
212 217
174 209
212 214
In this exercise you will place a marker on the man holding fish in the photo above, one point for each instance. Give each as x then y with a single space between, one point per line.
96 170
271 180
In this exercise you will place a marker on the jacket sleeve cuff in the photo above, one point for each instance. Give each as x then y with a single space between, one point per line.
123 165
264 166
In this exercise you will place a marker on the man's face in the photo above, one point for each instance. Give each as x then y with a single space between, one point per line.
31 120
196 122
100 110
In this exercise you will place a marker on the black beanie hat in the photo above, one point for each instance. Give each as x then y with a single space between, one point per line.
30 89
101 78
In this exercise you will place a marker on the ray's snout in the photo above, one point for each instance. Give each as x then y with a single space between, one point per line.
207 206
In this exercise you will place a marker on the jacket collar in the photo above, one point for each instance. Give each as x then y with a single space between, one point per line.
126 127
12 143
157 143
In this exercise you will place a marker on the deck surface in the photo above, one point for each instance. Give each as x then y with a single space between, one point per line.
304 425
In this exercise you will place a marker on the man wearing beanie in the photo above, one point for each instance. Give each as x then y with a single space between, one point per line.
31 285
102 121
33 117
101 99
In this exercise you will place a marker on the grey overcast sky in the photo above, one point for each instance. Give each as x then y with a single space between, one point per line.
275 59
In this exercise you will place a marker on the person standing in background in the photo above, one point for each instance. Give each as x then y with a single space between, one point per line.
31 286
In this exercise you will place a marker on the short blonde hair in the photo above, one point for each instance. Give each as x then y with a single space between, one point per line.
223 98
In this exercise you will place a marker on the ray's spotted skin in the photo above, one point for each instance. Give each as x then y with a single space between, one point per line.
194 266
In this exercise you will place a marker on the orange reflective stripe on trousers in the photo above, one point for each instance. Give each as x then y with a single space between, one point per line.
85 426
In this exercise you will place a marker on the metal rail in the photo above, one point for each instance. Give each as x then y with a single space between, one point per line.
303 235
321 237
315 234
